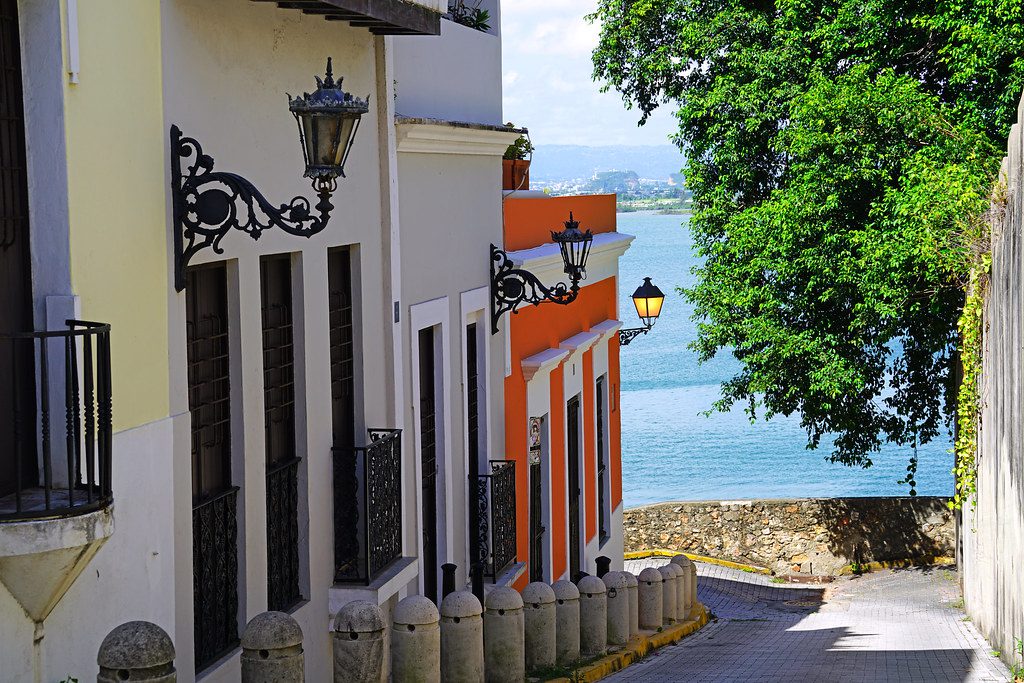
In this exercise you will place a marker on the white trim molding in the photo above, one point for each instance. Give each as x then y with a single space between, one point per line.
579 343
546 262
437 136
544 361
606 329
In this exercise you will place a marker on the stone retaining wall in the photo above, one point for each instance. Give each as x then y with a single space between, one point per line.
809 536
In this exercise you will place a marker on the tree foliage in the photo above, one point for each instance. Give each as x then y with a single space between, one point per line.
840 154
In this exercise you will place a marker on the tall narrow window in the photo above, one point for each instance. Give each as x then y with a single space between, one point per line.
17 455
214 499
347 550
279 427
602 465
428 461
477 487
572 433
536 497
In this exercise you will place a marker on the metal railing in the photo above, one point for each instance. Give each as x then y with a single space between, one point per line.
283 535
215 575
59 376
495 501
368 507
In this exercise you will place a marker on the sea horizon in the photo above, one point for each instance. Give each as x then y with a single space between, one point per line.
672 452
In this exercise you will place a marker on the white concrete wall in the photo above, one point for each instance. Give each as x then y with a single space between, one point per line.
450 207
992 533
457 78
227 67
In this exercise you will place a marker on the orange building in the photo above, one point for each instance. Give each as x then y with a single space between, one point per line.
562 421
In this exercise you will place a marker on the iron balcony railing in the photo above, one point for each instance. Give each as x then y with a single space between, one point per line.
368 507
215 575
495 502
55 422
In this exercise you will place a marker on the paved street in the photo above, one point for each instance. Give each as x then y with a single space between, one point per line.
888 626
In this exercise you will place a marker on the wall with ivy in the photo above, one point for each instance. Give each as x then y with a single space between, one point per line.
991 474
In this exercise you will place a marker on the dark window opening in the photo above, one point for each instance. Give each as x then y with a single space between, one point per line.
428 460
602 465
279 427
214 499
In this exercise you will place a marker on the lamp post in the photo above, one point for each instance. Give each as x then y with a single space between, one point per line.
208 204
648 300
511 286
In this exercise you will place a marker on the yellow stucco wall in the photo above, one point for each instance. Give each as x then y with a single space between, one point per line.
117 197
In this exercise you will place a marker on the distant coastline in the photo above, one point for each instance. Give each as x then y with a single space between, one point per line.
664 206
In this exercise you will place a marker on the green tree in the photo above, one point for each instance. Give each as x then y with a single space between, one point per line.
841 155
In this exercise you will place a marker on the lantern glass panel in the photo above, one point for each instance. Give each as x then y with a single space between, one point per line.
648 308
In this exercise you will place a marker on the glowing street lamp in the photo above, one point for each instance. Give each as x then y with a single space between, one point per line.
648 300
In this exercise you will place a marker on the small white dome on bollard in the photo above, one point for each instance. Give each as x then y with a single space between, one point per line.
136 651
567 622
539 613
593 616
358 643
634 614
650 599
272 649
462 639
415 641
504 642
689 593
670 575
617 586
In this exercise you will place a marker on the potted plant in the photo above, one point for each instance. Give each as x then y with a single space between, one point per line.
516 164
471 15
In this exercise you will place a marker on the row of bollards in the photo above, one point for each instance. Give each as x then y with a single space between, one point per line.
498 642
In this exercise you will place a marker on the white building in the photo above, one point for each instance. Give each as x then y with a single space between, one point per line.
230 478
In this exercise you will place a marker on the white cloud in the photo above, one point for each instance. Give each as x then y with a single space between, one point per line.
546 49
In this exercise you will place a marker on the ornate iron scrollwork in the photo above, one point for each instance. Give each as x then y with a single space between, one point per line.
511 286
208 204
628 335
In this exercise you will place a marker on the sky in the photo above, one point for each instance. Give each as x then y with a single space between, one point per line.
546 48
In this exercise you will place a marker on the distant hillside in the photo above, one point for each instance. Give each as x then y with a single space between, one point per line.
560 163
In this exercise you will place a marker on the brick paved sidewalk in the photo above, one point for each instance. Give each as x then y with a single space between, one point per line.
902 625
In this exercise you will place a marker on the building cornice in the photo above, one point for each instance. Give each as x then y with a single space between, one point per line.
546 262
579 343
438 136
542 362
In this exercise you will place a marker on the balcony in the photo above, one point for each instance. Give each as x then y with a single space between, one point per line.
55 459
368 507
495 516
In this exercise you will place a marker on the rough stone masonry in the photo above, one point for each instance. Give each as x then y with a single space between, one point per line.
816 536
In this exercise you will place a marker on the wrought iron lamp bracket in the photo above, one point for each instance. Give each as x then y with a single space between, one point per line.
628 335
512 287
208 204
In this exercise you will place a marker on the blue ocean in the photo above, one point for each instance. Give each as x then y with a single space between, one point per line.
671 451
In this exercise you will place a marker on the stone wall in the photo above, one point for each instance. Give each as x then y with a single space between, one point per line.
809 536
992 531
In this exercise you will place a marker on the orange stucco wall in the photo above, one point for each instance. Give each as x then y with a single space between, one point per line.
530 220
533 329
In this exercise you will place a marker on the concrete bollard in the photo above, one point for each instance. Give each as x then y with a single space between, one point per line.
539 613
358 643
567 622
593 616
462 638
634 615
650 600
415 641
689 593
136 651
618 608
272 649
504 642
669 592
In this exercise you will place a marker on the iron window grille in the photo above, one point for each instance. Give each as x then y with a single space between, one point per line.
368 507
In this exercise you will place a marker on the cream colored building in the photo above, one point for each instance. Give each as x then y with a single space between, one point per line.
240 407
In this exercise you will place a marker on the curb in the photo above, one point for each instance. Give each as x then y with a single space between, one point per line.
868 567
638 647
660 552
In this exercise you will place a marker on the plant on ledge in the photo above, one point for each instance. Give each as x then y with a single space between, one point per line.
471 16
516 163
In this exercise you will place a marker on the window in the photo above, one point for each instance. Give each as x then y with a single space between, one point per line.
214 499
602 465
282 462
428 459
